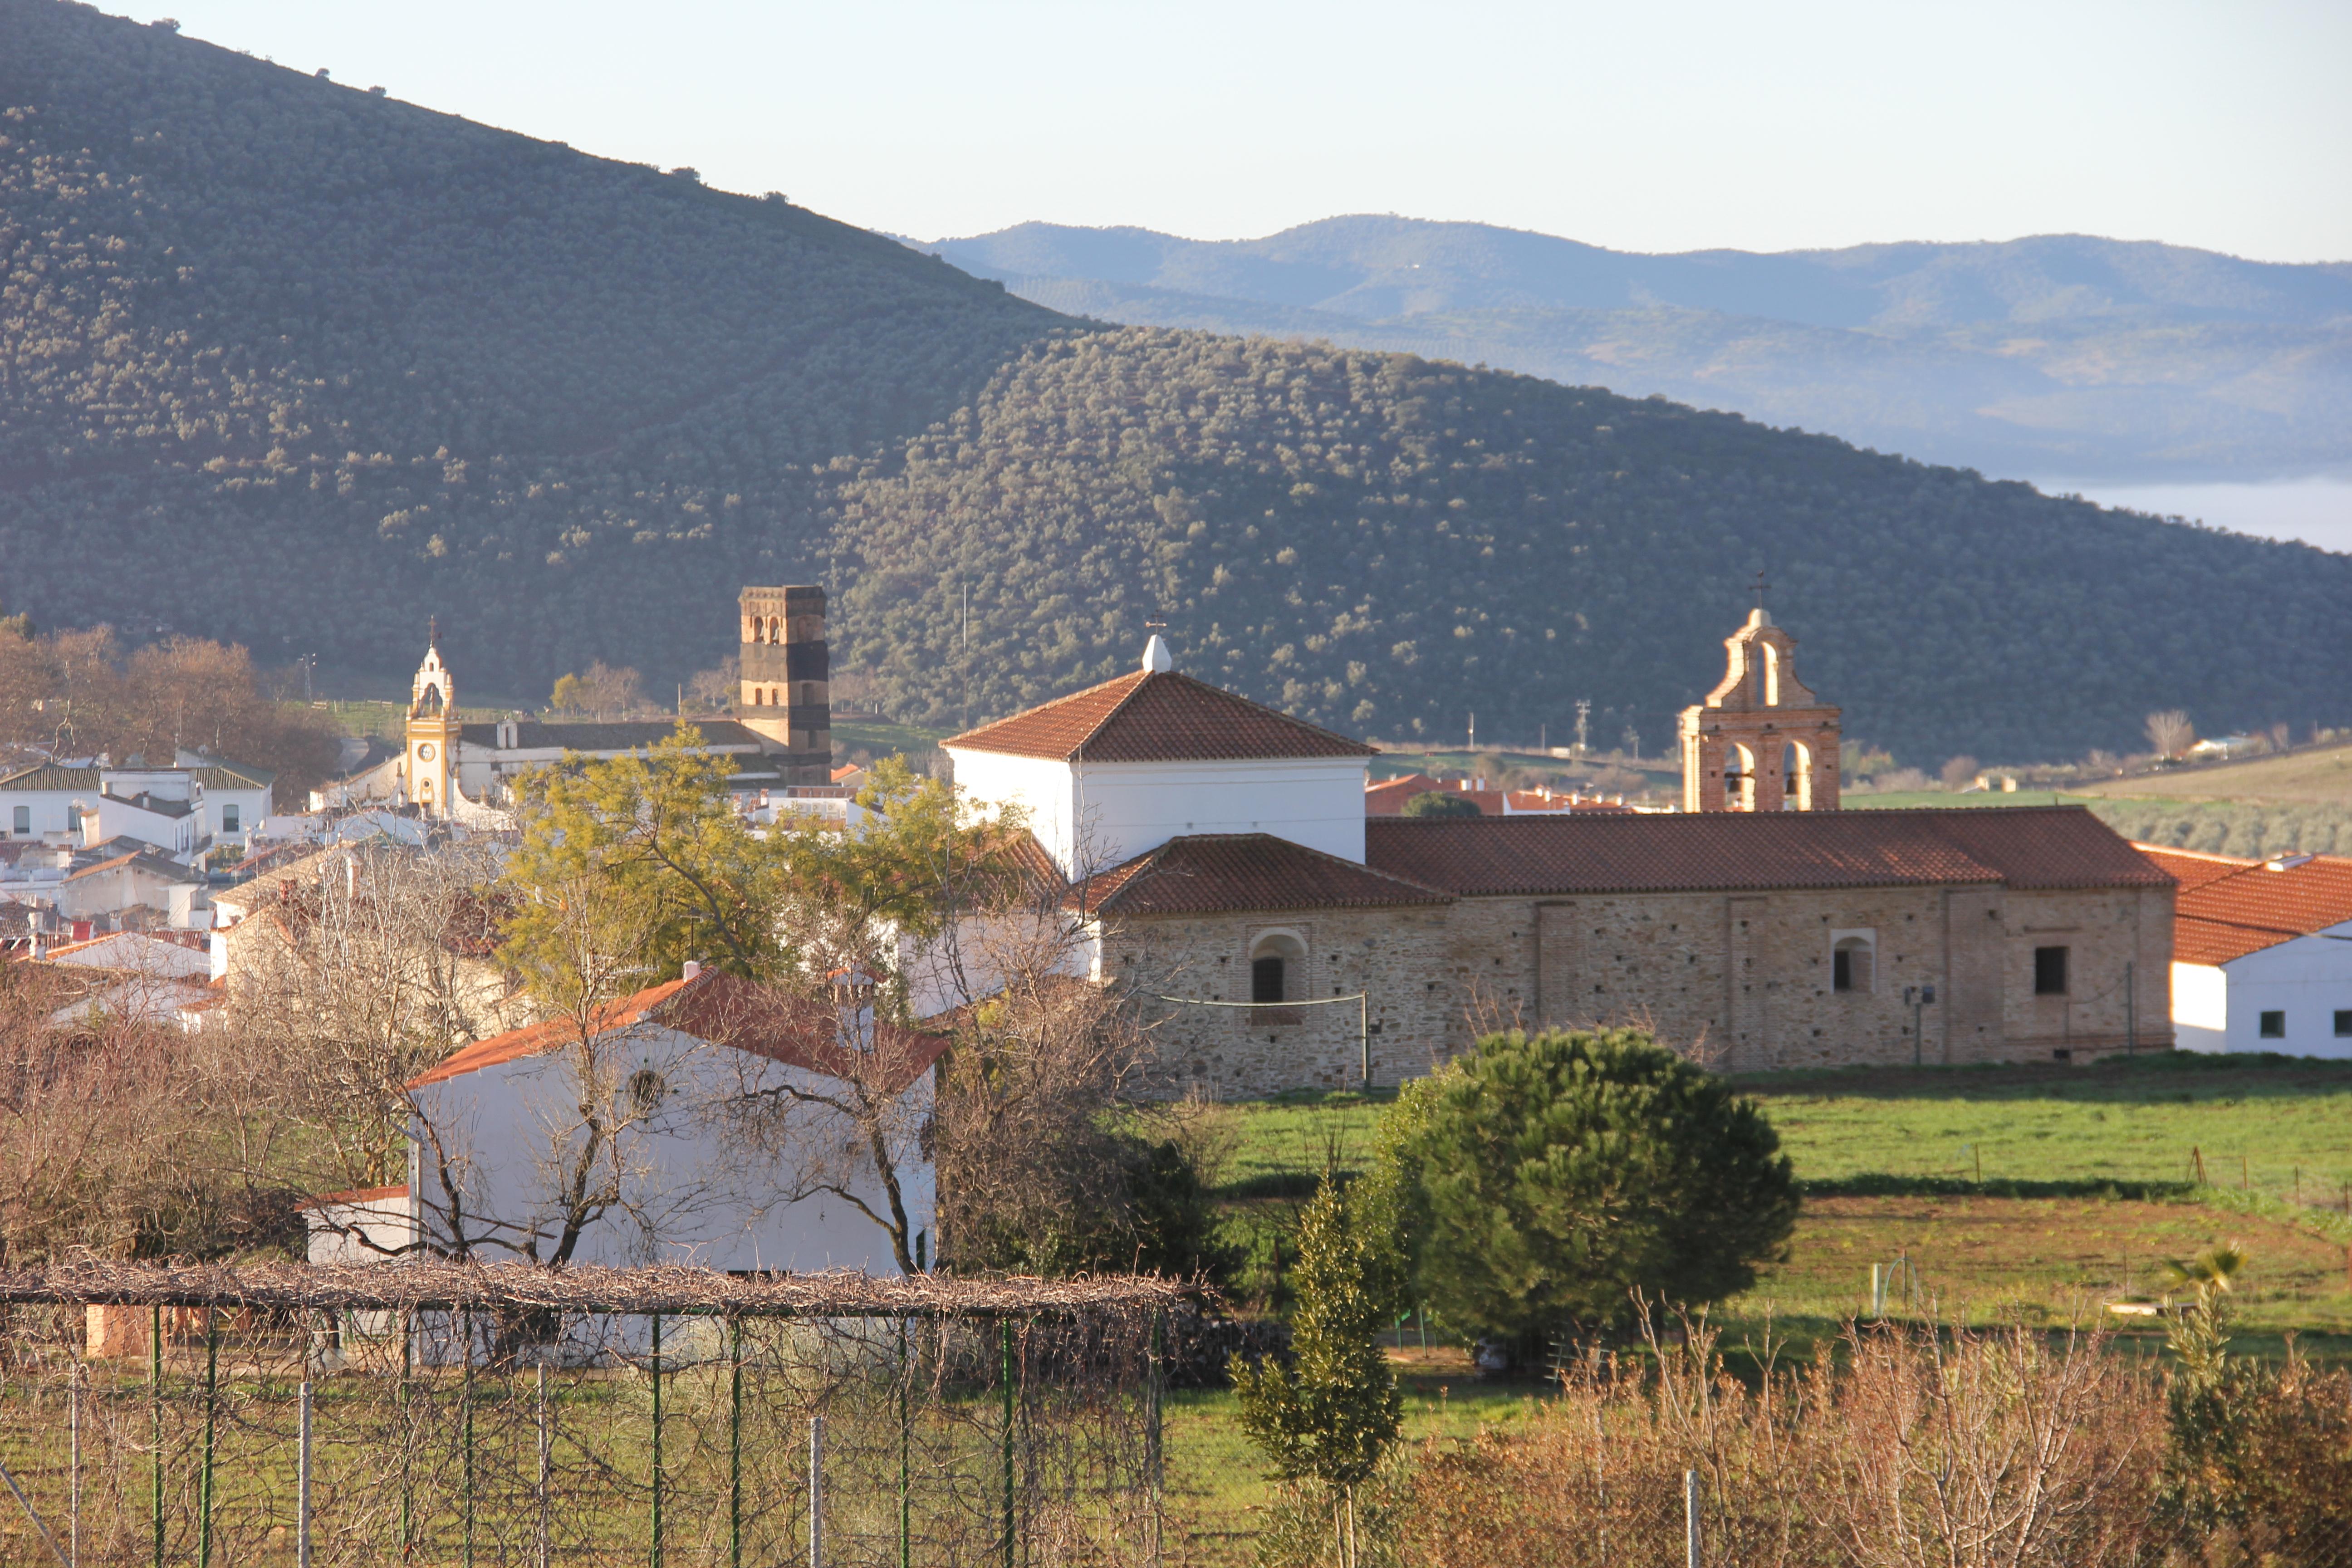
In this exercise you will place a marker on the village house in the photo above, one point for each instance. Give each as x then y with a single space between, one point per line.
2261 957
493 1138
1221 857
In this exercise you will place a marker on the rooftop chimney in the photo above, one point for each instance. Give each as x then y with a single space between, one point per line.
693 969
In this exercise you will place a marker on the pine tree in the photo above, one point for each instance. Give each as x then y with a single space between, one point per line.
1331 1416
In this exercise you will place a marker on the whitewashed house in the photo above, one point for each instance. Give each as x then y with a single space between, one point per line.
497 1134
2262 954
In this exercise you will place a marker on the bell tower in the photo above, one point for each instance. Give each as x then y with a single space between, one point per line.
431 762
1760 741
787 680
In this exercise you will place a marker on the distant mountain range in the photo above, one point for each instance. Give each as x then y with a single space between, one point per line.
2092 359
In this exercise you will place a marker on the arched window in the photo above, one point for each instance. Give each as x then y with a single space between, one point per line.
1277 974
775 630
1853 964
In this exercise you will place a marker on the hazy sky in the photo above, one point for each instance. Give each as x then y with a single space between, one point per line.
1641 126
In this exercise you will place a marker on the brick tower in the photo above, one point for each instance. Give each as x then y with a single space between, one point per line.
1760 741
787 676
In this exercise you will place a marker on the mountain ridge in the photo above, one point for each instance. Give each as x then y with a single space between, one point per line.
2069 355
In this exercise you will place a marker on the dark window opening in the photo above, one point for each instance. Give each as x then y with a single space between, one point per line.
2273 1025
2050 972
1842 970
24 819
1266 980
228 819
2344 1023
1850 965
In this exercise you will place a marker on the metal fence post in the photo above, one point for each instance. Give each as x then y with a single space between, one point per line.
655 1522
303 1475
816 1492
1154 1459
73 1501
546 1458
1690 1519
466 1410
905 1451
735 1445
155 1400
1005 1333
212 1400
407 1542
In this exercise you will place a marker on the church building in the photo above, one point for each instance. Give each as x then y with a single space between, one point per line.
1219 855
458 772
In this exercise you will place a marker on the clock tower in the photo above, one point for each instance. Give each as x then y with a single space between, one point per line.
431 761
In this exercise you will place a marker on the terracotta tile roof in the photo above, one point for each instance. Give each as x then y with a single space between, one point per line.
2032 847
724 1010
1207 873
1164 717
2192 868
2237 907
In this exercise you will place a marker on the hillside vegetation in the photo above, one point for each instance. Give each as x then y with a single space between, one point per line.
286 363
2061 354
291 363
1385 544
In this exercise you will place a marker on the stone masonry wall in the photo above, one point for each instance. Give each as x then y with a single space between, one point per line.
1745 981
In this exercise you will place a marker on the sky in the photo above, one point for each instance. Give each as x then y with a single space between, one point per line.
1652 127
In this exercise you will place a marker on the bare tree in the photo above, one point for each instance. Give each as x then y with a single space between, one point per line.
2170 733
1959 772
717 690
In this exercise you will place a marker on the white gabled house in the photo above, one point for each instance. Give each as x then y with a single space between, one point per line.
2261 952
496 1133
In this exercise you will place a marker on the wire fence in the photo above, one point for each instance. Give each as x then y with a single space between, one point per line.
489 1429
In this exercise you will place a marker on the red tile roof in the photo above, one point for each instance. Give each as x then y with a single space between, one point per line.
2237 907
354 1195
1209 873
2029 846
1162 717
798 1031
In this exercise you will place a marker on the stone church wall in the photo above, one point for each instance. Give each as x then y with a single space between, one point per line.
1746 981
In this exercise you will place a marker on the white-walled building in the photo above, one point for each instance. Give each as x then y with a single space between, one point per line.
2262 956
496 1129
199 800
1121 768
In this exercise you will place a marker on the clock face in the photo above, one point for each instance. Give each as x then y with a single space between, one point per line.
425 751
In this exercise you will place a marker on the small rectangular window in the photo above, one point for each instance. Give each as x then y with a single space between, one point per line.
1267 980
24 820
228 819
2273 1025
1842 970
2050 972
73 819
2344 1023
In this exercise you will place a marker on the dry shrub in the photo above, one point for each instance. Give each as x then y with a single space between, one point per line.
1909 1446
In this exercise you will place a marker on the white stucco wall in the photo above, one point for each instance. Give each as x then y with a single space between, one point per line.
689 1195
2309 979
1101 813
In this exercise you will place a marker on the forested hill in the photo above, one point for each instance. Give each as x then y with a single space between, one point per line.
293 362
288 362
1384 544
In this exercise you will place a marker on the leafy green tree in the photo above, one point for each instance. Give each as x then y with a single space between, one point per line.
1331 1416
1441 803
655 843
1562 1172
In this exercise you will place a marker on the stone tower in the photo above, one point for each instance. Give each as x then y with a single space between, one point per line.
787 677
432 731
1760 741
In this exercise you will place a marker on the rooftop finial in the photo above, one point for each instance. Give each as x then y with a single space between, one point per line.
1157 660
1762 618
431 631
